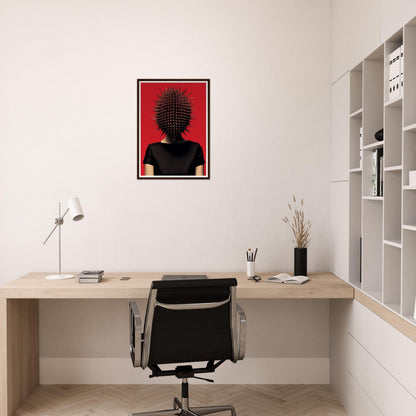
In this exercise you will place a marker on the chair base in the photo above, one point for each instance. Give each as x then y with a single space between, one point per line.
180 410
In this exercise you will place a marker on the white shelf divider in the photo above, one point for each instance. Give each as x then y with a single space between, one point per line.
393 168
375 145
411 127
393 243
373 198
357 114
397 102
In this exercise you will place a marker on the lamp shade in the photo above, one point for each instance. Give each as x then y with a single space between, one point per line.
75 209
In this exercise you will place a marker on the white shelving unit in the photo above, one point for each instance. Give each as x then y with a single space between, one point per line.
382 232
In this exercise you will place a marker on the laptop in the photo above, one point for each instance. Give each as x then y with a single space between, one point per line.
184 276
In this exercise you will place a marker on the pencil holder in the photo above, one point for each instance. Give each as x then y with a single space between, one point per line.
251 270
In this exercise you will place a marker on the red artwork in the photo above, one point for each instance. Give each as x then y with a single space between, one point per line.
173 129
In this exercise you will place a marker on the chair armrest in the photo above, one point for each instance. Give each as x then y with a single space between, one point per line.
241 332
135 329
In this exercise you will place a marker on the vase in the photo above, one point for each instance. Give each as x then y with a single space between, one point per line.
301 260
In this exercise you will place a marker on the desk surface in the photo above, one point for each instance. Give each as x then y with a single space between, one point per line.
35 286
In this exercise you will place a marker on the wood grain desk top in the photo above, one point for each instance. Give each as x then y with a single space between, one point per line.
35 286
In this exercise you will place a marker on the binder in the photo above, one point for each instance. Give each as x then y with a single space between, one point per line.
394 74
391 75
401 69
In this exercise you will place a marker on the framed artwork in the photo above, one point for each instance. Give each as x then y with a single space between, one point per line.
173 129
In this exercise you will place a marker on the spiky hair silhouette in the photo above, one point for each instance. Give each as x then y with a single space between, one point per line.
173 112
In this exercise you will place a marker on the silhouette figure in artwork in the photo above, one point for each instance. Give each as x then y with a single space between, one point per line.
173 155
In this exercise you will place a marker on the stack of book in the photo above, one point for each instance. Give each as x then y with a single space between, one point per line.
90 276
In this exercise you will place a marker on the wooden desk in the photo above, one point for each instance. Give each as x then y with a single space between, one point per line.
19 315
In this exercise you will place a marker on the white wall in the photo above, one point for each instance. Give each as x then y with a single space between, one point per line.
68 127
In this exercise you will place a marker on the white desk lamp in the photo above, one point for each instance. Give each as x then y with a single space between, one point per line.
75 210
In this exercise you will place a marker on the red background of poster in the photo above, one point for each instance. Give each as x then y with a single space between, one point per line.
149 132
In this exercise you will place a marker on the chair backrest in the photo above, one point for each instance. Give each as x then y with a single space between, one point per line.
190 321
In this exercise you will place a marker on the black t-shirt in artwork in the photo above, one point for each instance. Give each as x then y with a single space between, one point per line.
174 159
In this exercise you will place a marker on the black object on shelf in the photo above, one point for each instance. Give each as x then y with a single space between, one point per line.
379 135
301 260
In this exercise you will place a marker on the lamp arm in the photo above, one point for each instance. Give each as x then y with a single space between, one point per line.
58 222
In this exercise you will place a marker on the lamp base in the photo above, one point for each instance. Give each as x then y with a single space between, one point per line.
59 276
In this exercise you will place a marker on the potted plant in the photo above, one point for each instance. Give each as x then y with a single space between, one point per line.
301 235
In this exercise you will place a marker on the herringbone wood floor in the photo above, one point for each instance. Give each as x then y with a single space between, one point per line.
120 400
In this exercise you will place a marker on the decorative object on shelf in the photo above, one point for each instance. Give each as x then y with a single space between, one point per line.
301 233
173 129
379 136
75 210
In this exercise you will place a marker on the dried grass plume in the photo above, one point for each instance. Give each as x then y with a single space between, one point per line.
300 228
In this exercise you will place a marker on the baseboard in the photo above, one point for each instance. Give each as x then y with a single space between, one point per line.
249 371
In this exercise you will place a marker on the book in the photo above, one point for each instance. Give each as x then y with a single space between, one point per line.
380 156
287 278
91 274
90 279
374 171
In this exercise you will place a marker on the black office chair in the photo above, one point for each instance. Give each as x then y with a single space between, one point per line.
188 321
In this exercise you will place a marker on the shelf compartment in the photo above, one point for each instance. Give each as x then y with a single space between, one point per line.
395 307
409 208
355 125
375 294
393 136
357 114
393 243
372 247
392 206
355 234
409 155
409 272
373 99
356 89
393 168
375 145
392 275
